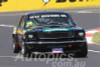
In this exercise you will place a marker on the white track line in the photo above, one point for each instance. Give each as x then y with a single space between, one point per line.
94 51
3 25
7 56
84 12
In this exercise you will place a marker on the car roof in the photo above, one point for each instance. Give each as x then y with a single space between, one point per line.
44 12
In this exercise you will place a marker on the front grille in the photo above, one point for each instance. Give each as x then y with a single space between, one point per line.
55 35
56 40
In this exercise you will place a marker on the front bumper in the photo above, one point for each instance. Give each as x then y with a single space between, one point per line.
61 42
47 46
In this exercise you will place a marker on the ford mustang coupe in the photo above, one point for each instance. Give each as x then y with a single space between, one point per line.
52 32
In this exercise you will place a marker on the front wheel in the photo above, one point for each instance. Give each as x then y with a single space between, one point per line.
84 51
16 48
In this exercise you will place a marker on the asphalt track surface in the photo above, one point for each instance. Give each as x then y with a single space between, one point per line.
87 18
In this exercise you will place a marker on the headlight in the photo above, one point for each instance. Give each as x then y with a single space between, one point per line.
81 34
30 36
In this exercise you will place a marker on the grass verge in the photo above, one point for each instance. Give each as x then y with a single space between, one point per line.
96 38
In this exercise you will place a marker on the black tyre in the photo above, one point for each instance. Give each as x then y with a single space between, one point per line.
84 51
16 48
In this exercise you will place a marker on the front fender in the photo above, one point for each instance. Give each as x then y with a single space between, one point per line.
14 32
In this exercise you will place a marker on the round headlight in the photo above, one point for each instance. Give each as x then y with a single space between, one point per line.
81 34
30 36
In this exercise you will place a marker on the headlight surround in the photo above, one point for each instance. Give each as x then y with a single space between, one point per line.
81 34
30 36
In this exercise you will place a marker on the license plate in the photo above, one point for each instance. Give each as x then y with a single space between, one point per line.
57 50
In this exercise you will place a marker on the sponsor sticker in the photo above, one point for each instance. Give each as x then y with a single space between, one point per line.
57 50
47 16
56 29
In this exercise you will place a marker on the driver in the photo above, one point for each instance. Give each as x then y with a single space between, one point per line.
30 24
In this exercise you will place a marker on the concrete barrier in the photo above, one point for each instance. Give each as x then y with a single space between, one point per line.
23 5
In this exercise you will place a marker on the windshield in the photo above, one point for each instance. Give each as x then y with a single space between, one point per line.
46 20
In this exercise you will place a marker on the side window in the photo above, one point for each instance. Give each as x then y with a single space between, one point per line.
22 22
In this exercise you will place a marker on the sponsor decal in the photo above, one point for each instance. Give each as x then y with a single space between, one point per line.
62 1
55 29
47 15
57 50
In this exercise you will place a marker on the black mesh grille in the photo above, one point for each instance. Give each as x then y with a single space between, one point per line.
54 35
